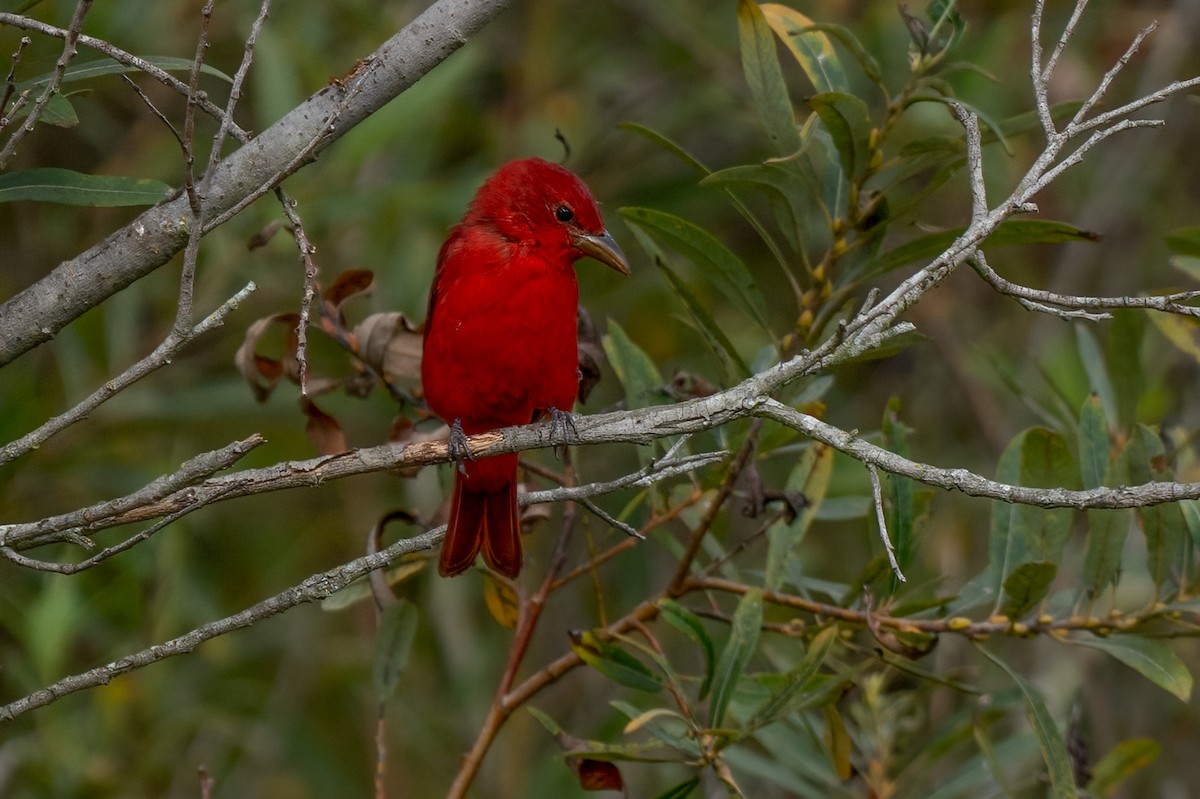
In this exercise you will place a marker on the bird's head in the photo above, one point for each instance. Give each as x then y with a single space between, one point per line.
543 204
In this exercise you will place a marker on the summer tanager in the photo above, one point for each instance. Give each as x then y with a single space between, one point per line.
500 338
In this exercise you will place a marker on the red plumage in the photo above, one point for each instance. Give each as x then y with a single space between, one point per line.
500 337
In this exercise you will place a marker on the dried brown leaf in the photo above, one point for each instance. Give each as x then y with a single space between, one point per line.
322 429
391 345
263 372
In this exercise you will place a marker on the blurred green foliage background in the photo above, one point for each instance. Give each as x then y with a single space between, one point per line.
287 708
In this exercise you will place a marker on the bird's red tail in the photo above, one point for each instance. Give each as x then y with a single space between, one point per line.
483 517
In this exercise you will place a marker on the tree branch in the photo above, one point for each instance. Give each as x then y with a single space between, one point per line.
36 314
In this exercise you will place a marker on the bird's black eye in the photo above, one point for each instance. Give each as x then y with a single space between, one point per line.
563 214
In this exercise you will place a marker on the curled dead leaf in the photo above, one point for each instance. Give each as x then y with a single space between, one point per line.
322 429
263 372
391 345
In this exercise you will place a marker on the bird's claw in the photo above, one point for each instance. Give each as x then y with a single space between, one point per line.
460 451
562 426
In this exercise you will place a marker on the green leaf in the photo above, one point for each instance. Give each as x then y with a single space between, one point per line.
393 645
614 663
57 111
1026 586
1184 241
904 508
810 477
814 51
633 367
731 362
1093 442
1152 658
1190 508
760 62
690 625
798 690
727 272
1121 762
743 639
680 791
1096 368
1125 334
1162 524
1107 531
1046 462
849 124
653 721
1012 232
63 186
1183 332
1050 740
83 70
1036 457
796 184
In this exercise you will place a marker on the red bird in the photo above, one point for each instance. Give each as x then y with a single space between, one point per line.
500 338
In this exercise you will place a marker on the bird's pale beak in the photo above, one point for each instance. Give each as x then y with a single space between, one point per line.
603 249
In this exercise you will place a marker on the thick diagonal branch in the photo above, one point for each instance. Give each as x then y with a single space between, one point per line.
36 314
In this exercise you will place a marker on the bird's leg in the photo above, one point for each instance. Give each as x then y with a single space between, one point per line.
562 424
460 451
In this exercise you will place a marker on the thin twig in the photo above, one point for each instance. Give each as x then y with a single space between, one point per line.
124 58
60 69
1070 306
162 355
881 517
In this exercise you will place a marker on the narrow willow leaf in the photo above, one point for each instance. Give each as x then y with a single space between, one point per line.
1162 525
1124 352
1036 457
690 625
848 122
796 185
614 663
1050 740
680 791
984 117
1152 658
760 62
654 722
743 640
727 272
810 478
1093 443
1191 519
633 367
1012 232
814 51
393 645
57 111
734 367
902 510
838 742
1181 331
1046 462
1096 369
1027 586
82 70
66 187
1107 531
798 685
1184 241
1122 761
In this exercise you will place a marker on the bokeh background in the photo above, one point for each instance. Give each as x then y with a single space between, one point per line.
288 708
